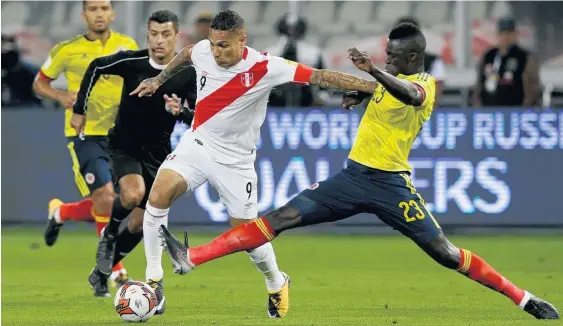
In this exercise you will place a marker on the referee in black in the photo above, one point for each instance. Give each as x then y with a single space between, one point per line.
140 140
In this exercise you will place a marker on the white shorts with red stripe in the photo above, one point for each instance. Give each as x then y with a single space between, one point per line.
236 184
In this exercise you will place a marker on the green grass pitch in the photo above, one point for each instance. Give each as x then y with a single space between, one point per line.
336 280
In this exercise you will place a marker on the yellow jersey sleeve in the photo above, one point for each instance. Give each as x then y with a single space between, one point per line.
56 62
427 86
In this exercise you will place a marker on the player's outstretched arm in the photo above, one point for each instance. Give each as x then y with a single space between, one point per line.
181 61
115 64
403 90
340 80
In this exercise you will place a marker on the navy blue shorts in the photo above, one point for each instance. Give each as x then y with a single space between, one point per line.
360 189
90 163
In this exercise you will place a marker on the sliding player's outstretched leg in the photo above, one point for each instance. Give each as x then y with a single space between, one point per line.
477 269
322 202
397 203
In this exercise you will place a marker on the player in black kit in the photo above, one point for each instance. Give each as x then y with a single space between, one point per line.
140 140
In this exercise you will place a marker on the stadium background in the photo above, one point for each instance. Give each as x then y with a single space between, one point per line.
493 171
476 167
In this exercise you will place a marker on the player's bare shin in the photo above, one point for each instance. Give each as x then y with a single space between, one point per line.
472 266
442 251
284 218
340 80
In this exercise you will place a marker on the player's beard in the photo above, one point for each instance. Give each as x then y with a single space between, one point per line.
100 30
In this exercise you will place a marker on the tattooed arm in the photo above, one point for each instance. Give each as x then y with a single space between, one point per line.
334 79
180 62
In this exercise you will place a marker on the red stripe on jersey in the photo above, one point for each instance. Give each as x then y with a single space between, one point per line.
228 93
422 91
245 53
42 75
302 74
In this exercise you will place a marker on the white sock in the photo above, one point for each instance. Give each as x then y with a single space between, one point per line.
264 259
57 215
153 218
115 275
525 299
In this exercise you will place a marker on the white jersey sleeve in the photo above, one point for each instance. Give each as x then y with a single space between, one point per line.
198 51
283 71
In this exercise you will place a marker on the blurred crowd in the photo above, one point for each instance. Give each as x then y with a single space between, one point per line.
507 74
17 74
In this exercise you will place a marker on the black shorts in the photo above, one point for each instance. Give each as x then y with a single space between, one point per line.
360 189
90 163
144 162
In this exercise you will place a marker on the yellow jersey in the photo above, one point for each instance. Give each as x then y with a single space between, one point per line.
389 127
72 58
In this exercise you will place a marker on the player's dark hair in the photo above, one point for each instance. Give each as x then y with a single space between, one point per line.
85 2
227 20
407 19
409 32
165 16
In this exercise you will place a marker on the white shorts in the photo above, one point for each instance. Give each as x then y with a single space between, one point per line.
236 185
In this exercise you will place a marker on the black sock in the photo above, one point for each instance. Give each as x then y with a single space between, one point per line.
118 214
125 243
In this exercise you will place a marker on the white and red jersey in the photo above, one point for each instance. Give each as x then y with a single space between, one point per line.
231 102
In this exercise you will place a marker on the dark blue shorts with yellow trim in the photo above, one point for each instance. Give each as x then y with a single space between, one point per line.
360 189
90 162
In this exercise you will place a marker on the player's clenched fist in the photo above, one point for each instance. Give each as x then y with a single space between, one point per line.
66 99
147 87
77 122
353 98
361 59
173 104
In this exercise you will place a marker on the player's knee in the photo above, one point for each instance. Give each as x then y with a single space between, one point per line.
102 199
168 186
131 198
160 197
443 252
284 218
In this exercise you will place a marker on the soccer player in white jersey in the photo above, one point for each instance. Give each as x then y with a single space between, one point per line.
234 82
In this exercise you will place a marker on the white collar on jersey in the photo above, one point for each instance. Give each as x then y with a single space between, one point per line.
156 65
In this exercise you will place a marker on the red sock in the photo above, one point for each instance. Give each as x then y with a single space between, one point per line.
478 270
99 227
119 266
243 237
78 211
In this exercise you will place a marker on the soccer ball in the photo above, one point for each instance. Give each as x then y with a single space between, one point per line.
135 302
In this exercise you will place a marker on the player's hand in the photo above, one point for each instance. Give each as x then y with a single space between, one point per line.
350 99
77 122
361 59
66 99
147 87
173 104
